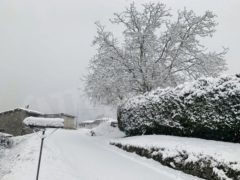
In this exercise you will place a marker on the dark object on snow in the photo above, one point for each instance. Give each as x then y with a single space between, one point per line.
5 140
207 108
114 124
92 133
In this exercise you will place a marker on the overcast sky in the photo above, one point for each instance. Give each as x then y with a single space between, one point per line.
45 45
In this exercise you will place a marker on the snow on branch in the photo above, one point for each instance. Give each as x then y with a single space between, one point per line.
155 50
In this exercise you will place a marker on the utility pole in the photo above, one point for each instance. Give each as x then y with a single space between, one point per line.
40 154
78 103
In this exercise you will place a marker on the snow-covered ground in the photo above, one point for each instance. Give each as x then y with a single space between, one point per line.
75 155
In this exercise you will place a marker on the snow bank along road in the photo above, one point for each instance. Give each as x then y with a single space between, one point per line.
74 155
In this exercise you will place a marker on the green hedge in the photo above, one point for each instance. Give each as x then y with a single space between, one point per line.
207 108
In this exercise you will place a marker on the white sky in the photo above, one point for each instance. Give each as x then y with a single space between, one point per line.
45 45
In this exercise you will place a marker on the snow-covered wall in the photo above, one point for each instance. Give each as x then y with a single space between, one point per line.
44 122
207 108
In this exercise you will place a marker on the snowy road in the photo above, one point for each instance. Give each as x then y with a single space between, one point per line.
73 155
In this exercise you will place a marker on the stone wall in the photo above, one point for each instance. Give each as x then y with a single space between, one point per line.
11 122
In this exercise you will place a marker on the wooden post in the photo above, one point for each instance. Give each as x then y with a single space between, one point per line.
40 154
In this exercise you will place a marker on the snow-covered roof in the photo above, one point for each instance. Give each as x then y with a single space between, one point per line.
89 121
106 119
99 120
29 110
22 109
58 115
5 135
33 113
44 122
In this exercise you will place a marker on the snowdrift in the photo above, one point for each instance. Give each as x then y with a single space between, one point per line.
207 108
107 129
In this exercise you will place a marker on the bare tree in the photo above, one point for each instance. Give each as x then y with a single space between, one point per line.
156 52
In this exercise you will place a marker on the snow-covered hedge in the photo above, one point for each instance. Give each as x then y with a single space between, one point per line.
201 165
207 108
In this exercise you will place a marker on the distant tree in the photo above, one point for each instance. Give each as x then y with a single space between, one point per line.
156 51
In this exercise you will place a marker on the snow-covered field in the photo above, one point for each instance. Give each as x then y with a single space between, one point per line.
75 155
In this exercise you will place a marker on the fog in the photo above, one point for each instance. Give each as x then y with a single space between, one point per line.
45 47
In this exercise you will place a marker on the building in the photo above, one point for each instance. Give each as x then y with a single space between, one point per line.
94 123
90 124
11 122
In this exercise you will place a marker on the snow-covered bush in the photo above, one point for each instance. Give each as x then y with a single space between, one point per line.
207 108
201 165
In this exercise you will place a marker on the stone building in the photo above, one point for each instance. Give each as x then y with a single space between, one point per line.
11 122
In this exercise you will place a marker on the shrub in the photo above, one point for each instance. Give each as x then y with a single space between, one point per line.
207 108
